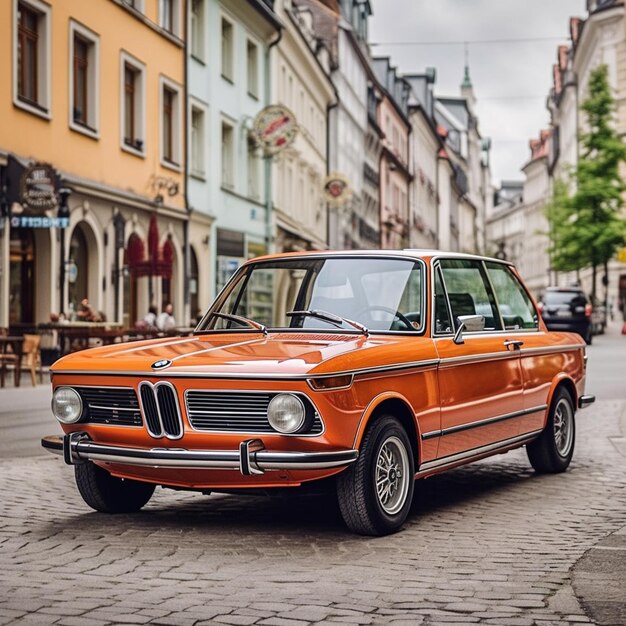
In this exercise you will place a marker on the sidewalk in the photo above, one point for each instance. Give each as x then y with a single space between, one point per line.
25 381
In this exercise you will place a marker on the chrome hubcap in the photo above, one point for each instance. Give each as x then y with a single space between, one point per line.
563 427
392 475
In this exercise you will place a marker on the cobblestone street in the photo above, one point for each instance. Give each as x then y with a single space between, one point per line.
490 543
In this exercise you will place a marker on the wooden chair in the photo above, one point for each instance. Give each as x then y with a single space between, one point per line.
31 358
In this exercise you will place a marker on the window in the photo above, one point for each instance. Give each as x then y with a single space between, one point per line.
168 16
253 69
515 306
227 50
253 169
170 123
197 30
31 68
84 82
198 142
228 154
133 105
469 292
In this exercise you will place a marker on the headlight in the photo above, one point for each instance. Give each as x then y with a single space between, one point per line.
286 413
67 405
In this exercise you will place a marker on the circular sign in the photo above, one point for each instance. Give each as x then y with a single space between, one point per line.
38 187
337 189
275 127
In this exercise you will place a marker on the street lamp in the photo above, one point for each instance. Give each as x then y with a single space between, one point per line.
63 213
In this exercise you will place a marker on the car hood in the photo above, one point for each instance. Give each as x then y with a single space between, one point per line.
249 354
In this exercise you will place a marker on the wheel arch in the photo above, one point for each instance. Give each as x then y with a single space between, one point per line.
562 380
389 403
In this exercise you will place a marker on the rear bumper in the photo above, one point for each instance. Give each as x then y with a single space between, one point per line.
584 401
250 459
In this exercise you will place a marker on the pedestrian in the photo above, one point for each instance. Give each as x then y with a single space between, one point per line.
85 312
166 320
150 320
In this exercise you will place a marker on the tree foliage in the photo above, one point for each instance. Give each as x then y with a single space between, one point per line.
586 226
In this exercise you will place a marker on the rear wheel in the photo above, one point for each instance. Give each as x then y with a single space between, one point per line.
110 494
552 451
375 492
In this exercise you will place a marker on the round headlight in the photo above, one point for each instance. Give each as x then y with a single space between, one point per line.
286 413
67 405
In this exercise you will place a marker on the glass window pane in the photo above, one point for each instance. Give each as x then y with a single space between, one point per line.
515 306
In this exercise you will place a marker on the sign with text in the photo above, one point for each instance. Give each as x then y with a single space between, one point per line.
31 221
275 128
38 188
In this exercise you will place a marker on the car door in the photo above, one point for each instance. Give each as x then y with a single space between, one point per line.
539 353
480 379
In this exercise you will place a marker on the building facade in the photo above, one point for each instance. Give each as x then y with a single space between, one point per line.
91 158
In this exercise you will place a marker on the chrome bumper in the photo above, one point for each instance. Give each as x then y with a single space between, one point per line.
251 459
584 401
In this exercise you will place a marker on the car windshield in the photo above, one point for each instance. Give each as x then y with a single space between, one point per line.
380 294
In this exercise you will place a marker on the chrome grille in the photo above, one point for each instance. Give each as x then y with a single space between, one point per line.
220 411
159 404
117 406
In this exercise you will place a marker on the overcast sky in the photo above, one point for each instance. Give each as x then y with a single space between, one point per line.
511 80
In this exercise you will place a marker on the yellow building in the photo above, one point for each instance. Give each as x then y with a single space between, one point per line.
96 92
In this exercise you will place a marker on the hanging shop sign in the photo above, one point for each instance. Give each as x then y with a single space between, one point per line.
337 190
38 188
275 128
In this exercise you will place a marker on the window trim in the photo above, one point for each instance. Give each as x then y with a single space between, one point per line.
194 103
229 78
43 106
140 68
166 83
93 80
175 16
250 41
228 185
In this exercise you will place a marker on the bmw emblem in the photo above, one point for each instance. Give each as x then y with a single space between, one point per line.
162 364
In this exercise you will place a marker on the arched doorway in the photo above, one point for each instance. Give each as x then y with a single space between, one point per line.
77 269
167 286
22 283
133 254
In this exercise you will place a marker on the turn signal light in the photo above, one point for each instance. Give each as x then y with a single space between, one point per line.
331 382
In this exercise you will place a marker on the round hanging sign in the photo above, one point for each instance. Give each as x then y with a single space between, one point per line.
337 189
275 127
38 187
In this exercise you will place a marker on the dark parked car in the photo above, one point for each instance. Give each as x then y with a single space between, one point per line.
567 309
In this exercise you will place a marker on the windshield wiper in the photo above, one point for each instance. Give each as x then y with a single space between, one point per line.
242 320
329 317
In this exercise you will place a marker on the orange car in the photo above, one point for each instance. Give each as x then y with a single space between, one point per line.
375 368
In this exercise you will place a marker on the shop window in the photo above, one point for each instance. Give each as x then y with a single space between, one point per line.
198 39
31 61
84 80
228 155
133 105
78 283
22 277
253 68
198 140
228 43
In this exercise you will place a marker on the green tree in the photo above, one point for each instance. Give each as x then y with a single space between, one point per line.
586 227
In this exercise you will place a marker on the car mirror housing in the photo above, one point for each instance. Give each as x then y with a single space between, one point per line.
469 323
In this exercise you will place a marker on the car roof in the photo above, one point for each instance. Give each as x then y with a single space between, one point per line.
409 253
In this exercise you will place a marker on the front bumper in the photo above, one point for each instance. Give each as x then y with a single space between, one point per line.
250 459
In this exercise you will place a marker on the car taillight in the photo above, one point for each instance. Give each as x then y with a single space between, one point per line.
588 309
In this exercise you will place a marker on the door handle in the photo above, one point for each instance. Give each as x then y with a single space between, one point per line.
516 343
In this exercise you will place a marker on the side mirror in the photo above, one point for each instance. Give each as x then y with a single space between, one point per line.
470 323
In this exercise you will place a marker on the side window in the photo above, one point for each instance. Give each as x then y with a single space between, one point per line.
469 291
441 315
516 307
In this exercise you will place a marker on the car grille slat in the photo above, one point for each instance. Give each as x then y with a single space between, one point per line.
168 404
150 411
117 406
235 412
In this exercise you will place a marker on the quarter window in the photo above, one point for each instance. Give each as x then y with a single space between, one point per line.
515 306
469 292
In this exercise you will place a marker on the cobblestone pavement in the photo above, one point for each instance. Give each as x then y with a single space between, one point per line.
489 543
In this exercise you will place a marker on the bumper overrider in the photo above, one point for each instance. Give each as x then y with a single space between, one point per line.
250 459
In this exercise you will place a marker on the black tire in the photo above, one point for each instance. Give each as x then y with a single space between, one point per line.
552 451
110 494
363 509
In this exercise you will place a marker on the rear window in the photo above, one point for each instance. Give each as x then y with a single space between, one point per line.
564 297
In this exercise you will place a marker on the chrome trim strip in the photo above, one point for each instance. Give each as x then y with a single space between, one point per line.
252 432
475 452
296 377
484 422
82 449
111 408
552 349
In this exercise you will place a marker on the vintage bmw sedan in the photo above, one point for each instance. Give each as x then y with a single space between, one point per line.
373 368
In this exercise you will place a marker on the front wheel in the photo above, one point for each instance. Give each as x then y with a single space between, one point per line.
110 494
375 492
552 451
